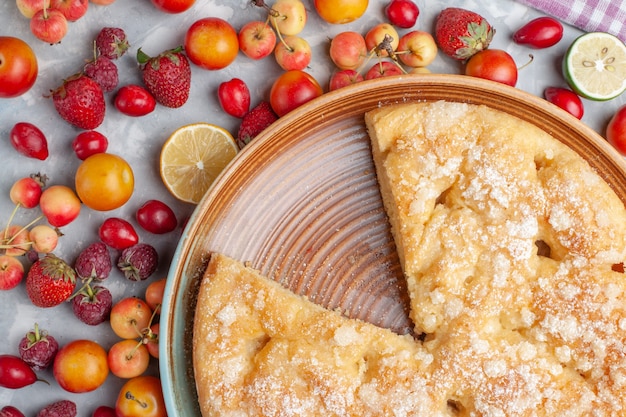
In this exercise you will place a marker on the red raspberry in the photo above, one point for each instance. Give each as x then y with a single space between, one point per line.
92 306
93 262
112 42
138 262
38 349
103 71
63 408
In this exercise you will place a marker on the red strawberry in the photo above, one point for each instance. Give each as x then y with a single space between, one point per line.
111 42
461 33
92 306
38 349
80 101
50 281
63 408
167 76
103 71
254 122
138 262
93 262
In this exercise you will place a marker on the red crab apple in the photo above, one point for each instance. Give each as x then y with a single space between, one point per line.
18 67
29 7
402 13
49 25
102 2
59 204
377 34
342 78
44 238
293 53
16 237
417 48
128 358
292 89
129 317
256 39
348 50
71 9
11 272
382 69
290 16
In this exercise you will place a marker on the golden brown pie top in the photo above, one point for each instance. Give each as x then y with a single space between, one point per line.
508 241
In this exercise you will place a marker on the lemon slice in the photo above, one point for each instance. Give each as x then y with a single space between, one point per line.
595 66
192 157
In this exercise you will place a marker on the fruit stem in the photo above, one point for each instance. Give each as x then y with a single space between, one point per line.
532 57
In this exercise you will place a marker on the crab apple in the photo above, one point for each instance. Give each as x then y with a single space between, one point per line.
154 294
102 2
80 366
340 11
129 317
72 9
348 50
128 358
342 78
417 49
292 89
26 192
151 340
383 69
402 13
104 410
616 130
16 238
60 205
89 142
293 53
211 43
381 38
44 238
256 39
49 25
289 16
28 8
11 272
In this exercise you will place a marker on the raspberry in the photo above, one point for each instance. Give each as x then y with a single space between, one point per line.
111 42
138 262
103 71
93 262
92 306
63 408
38 349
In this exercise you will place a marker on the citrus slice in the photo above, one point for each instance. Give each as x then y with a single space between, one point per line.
595 66
192 157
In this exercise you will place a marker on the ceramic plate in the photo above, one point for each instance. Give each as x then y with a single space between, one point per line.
302 205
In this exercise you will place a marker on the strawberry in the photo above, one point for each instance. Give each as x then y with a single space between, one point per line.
92 306
62 408
103 71
38 349
50 281
461 33
80 101
138 262
167 76
111 42
254 122
93 262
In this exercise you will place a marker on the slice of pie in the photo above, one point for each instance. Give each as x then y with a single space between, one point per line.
261 350
508 240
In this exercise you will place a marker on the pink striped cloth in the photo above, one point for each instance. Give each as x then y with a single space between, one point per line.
588 15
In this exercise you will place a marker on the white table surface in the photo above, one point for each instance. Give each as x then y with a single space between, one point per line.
139 140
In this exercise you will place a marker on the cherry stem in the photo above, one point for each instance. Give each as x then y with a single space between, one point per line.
532 57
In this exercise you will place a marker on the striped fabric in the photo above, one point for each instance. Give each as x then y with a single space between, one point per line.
588 15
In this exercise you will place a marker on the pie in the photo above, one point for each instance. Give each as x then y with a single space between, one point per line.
512 247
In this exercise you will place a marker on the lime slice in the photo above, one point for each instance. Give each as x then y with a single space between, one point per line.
595 66
192 157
